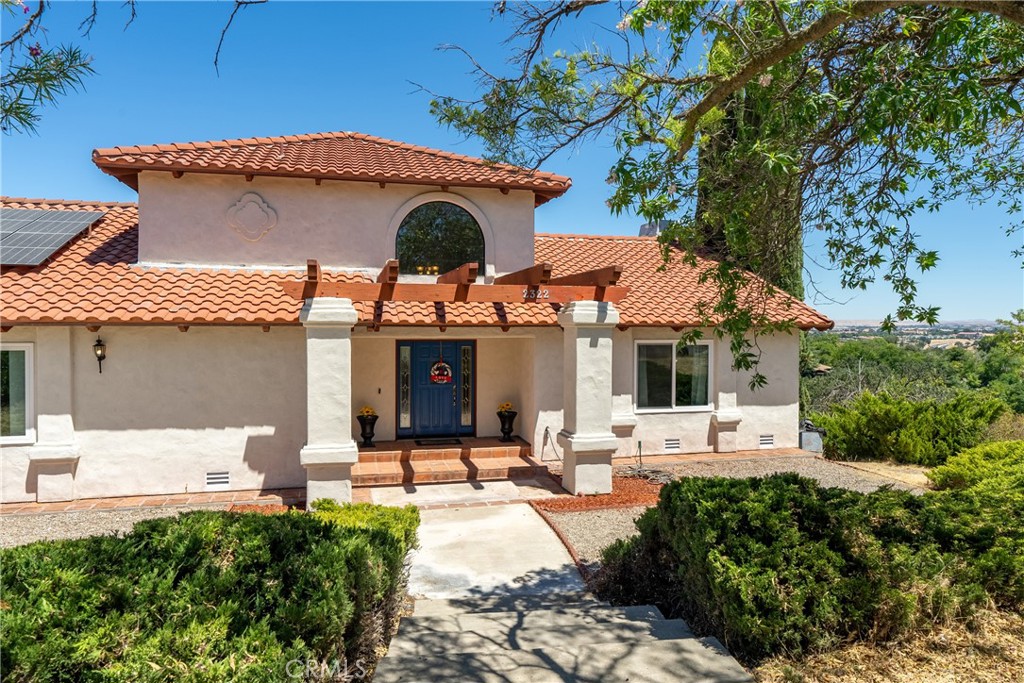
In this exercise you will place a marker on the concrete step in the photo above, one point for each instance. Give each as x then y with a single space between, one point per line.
530 629
713 643
505 603
419 639
646 661
450 470
572 615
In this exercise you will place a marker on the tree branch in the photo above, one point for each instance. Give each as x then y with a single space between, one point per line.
26 28
779 19
536 23
239 4
787 47
1010 10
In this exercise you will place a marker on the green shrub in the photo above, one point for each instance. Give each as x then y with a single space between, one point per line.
207 596
884 427
781 564
987 461
402 522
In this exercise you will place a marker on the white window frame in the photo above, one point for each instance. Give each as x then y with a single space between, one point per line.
674 409
29 437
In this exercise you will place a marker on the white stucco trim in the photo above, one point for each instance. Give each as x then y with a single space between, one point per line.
29 437
587 437
330 451
67 453
675 409
452 198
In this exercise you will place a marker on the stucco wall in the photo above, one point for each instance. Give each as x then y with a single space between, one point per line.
775 408
172 406
373 380
503 360
341 224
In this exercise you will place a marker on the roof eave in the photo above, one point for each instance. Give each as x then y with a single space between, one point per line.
128 174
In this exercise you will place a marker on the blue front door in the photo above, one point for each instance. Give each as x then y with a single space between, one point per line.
435 388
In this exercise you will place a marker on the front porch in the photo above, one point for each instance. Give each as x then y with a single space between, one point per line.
436 393
419 461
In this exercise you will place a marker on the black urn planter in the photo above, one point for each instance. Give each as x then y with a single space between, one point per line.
507 418
367 423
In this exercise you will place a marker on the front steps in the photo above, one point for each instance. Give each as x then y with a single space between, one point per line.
542 640
403 462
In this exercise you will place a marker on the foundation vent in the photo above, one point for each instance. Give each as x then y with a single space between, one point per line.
673 446
767 441
217 480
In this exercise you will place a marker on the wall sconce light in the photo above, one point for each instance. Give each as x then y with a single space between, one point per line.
100 349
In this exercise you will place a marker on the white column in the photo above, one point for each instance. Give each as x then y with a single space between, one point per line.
329 452
586 438
726 418
54 457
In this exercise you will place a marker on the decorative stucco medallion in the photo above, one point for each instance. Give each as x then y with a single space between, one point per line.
251 217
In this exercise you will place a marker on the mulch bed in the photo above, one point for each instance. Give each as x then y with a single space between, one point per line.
990 649
626 492
267 509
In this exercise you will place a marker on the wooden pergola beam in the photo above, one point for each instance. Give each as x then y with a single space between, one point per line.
534 286
432 293
463 275
537 274
389 273
600 277
314 279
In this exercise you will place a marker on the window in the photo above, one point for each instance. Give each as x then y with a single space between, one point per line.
466 369
437 237
405 387
17 422
673 376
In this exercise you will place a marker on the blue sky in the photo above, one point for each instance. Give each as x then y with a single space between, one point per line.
291 67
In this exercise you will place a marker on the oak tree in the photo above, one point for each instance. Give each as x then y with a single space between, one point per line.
740 125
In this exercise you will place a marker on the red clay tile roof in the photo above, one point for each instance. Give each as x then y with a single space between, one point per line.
333 156
95 280
665 298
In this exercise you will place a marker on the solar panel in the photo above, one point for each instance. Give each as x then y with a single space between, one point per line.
13 220
30 236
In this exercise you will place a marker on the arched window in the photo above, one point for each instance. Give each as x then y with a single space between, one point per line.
437 237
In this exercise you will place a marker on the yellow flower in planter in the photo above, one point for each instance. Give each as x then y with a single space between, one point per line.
367 411
505 407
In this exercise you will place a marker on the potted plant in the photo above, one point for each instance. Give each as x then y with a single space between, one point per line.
367 417
507 416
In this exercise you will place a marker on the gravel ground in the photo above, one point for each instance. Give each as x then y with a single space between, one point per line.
591 531
22 529
827 472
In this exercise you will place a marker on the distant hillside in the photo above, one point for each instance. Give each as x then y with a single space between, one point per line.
941 323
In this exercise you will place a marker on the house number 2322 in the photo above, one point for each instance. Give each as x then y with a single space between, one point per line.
533 293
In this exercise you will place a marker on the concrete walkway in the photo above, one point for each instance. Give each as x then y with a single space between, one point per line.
499 600
479 552
472 493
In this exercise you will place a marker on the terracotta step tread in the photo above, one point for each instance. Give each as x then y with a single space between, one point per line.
457 465
422 471
444 453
